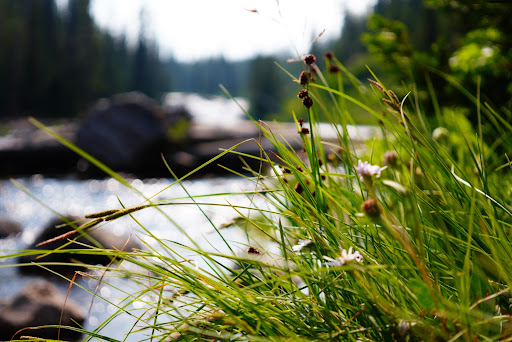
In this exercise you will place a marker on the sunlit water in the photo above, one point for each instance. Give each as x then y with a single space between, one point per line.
80 197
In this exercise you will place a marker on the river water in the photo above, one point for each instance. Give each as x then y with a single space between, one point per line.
80 197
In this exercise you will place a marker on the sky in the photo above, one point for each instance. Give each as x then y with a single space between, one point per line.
190 30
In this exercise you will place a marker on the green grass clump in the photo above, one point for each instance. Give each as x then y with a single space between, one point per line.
399 236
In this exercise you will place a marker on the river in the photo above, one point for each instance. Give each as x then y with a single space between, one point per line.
80 197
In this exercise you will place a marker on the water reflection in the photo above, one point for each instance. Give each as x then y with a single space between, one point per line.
77 198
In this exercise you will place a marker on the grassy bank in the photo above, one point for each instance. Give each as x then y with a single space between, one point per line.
405 237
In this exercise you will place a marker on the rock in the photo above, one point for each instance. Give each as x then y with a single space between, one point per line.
102 236
39 303
8 228
120 130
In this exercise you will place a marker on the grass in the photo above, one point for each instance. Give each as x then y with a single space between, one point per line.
417 251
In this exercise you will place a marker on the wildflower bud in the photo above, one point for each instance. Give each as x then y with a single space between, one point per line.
329 55
304 78
304 130
371 208
307 102
309 59
303 93
334 69
391 158
440 133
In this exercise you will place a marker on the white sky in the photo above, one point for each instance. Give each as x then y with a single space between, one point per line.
195 29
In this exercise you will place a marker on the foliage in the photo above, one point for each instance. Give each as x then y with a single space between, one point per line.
467 40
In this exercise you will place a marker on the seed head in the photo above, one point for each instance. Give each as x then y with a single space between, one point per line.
304 130
304 78
309 59
329 55
371 208
300 121
302 94
334 69
253 250
390 158
307 102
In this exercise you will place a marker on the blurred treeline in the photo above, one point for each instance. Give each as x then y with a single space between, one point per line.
55 62
428 47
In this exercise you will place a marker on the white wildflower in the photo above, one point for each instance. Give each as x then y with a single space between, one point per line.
368 170
301 244
346 256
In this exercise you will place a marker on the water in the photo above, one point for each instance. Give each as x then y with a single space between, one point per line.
80 197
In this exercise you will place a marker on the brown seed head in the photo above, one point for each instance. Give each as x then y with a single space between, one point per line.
298 188
334 69
390 158
310 59
302 94
253 250
377 84
307 102
304 130
301 122
304 78
329 55
371 208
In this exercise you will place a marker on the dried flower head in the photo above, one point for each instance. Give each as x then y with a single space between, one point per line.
334 69
307 102
390 158
371 208
309 59
304 130
300 121
304 78
367 170
329 55
302 94
346 256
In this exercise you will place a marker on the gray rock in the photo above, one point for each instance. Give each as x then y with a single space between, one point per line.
37 304
123 128
8 228
104 237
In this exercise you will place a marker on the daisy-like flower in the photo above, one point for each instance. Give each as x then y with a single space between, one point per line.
301 244
346 256
367 170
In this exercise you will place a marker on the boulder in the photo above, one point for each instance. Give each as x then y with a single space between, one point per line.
39 303
119 130
8 228
102 236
